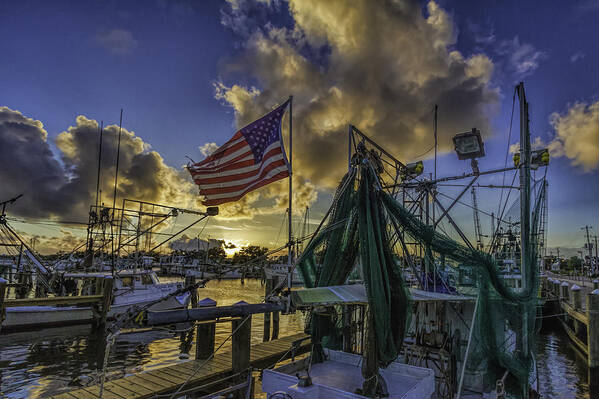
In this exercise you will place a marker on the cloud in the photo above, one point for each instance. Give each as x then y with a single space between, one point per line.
524 59
577 135
64 242
208 148
577 56
379 65
64 188
244 17
117 41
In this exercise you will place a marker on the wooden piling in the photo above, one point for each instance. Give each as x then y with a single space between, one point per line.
99 286
592 310
347 330
3 284
107 286
275 316
190 281
205 333
268 287
241 345
565 291
556 288
576 297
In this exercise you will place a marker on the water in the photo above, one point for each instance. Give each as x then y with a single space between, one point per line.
562 368
42 363
47 362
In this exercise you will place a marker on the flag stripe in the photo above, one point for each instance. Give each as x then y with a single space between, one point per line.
218 201
226 154
237 137
216 171
234 171
235 185
217 164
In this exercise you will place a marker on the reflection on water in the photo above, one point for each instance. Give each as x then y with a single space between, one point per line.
42 363
562 369
51 361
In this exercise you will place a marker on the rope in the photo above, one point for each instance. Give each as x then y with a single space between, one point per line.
209 358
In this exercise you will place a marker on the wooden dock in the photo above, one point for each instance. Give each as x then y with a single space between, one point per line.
168 379
576 308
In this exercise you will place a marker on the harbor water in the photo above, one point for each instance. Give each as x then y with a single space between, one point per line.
41 363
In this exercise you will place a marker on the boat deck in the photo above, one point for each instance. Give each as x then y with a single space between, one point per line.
168 379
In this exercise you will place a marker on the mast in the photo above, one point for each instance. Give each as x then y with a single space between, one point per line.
116 178
589 247
290 245
526 266
435 175
118 153
99 164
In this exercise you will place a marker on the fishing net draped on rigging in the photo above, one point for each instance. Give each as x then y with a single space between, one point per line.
357 231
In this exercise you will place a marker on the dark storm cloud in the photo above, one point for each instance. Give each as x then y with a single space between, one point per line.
28 167
66 189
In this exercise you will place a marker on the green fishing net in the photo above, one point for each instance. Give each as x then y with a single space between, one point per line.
357 230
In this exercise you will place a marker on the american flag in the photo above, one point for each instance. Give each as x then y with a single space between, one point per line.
252 158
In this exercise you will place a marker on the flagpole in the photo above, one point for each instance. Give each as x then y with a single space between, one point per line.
290 247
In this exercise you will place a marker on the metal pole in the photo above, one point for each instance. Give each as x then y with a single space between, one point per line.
526 264
290 247
348 148
596 257
99 163
118 152
436 107
459 393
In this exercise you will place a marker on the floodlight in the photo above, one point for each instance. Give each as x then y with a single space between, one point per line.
539 158
412 170
469 145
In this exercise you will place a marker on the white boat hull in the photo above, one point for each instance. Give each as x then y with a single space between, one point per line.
26 317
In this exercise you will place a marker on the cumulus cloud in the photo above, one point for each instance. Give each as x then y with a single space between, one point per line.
208 148
577 135
64 188
524 58
117 41
379 65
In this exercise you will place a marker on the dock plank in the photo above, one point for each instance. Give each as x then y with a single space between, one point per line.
150 384
133 387
169 378
66 395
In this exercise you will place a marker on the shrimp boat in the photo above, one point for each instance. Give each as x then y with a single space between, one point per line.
131 288
464 324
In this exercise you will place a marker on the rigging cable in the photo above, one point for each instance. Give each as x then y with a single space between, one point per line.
507 151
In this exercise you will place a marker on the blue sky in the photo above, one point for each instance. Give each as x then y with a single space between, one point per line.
160 61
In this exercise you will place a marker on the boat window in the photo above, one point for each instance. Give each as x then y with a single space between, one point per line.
127 281
146 279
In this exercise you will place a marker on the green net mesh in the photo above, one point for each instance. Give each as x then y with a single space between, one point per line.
357 231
